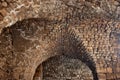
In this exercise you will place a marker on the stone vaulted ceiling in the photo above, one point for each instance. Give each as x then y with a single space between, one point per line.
34 30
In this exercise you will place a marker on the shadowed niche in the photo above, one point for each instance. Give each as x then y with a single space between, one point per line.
65 68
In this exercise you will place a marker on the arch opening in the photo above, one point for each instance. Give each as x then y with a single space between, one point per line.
63 68
71 48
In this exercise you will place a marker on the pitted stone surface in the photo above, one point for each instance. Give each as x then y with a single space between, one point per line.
26 44
63 68
16 10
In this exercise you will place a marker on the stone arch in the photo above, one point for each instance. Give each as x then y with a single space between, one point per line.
32 41
29 9
62 67
25 41
72 47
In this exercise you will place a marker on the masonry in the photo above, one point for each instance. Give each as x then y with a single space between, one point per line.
59 40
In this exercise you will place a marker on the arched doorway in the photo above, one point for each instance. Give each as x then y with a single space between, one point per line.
72 51
63 68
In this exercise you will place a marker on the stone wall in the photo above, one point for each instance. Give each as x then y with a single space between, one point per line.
23 48
16 10
27 43
102 41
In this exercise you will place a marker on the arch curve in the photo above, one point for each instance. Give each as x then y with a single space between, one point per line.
72 47
33 41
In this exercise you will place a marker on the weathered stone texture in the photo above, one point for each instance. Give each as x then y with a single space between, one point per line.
100 40
28 43
62 68
14 10
21 43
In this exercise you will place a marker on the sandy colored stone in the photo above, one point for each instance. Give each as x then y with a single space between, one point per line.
4 4
96 23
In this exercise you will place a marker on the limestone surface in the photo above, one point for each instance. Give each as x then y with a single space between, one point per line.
32 31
